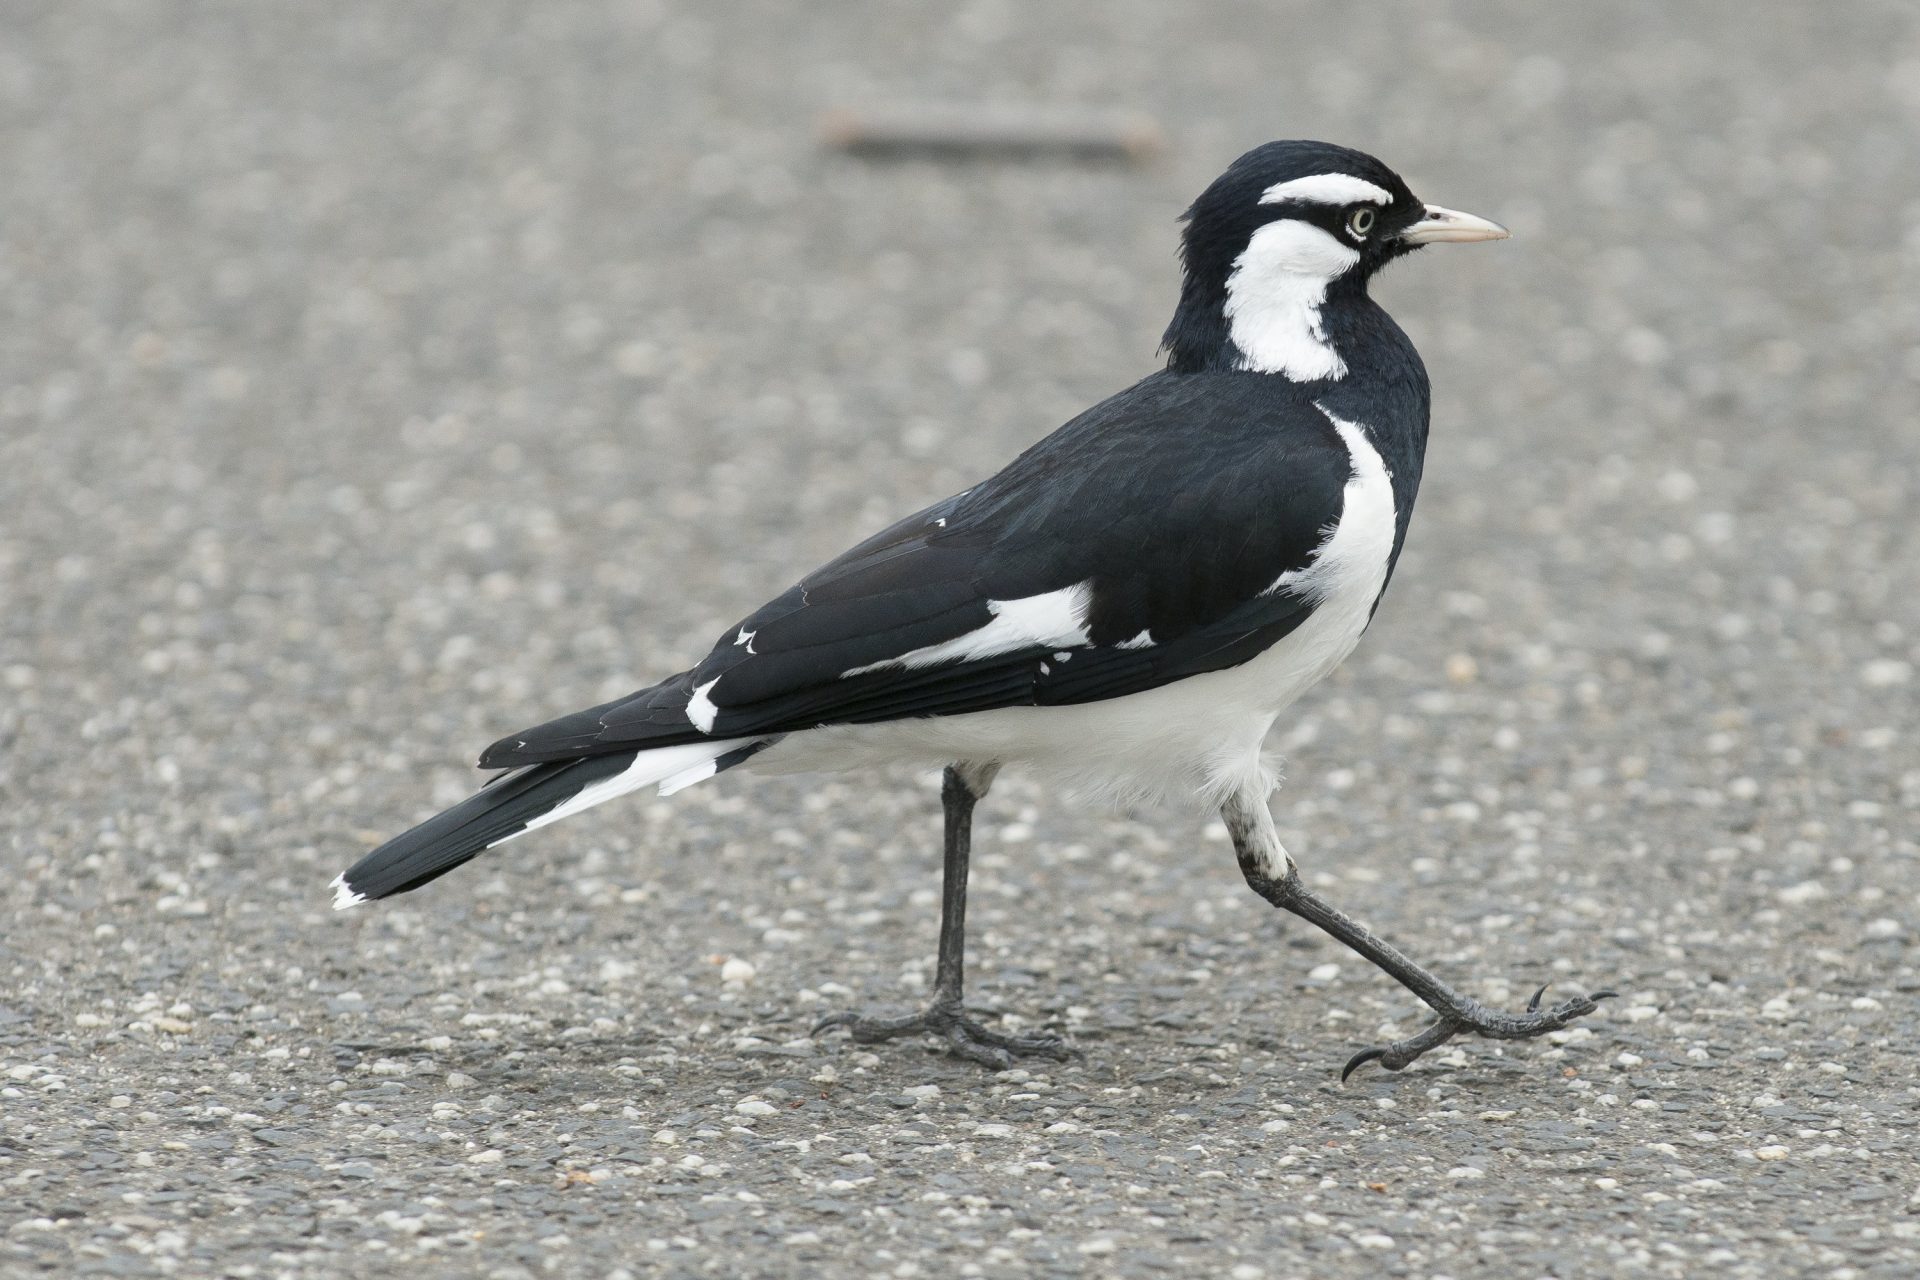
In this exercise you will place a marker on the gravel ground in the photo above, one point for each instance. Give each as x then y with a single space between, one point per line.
380 377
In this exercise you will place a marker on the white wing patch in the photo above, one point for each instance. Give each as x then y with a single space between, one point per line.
1274 295
700 709
1054 620
1327 188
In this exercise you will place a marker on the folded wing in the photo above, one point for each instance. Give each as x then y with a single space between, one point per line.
1055 582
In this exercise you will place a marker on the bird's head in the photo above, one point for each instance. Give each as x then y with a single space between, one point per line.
1289 229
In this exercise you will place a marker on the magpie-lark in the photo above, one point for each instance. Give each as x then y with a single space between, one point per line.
1126 608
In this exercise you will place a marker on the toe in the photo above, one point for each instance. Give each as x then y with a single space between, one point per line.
987 1055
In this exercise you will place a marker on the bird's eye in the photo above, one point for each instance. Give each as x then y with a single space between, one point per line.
1360 222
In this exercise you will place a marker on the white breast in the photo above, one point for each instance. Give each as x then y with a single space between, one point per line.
1196 738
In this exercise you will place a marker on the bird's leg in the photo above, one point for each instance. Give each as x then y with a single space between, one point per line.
962 787
1272 875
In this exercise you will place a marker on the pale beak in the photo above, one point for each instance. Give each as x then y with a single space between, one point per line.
1450 226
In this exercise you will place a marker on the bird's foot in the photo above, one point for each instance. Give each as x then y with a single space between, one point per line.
1473 1018
964 1037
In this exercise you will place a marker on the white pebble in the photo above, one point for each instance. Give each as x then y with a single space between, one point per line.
1804 892
1883 673
1324 972
737 971
755 1107
1771 1153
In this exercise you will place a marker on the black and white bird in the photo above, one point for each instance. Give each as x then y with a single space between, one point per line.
1127 608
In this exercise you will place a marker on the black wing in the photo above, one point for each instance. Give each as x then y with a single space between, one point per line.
1171 511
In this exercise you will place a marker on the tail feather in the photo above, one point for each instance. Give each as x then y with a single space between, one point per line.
518 802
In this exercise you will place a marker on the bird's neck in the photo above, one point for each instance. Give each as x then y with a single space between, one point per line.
1295 326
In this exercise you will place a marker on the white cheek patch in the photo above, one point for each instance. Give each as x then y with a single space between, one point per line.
1327 188
1274 295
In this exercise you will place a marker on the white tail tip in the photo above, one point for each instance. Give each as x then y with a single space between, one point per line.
343 897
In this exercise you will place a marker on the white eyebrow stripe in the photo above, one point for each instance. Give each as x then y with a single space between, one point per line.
1327 188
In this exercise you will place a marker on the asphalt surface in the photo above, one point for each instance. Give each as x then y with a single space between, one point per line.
377 378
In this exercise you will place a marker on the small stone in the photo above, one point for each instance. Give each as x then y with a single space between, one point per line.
755 1107
1884 673
737 972
1771 1153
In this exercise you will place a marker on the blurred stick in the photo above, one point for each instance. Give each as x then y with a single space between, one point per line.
957 129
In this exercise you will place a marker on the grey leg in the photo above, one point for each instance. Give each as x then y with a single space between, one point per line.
960 790
1272 875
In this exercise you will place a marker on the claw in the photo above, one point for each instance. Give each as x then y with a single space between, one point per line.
831 1021
1534 1004
1598 996
1359 1060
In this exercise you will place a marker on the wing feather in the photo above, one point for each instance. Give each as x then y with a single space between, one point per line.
1180 503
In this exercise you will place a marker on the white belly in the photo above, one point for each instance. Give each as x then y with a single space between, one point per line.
1197 738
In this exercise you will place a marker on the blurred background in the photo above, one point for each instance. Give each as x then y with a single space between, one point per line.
377 378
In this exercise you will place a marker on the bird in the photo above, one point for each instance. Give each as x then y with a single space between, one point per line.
1125 610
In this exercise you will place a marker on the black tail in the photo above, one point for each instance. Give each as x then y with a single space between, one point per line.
502 809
